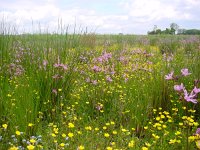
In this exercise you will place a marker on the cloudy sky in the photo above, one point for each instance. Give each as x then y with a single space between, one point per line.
100 16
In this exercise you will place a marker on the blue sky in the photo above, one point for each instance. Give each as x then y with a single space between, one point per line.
101 16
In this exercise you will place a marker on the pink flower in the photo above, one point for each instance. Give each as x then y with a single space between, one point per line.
190 97
45 62
198 131
109 79
179 88
185 72
169 76
96 68
196 90
94 82
55 91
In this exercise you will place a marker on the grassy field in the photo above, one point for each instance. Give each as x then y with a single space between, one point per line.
99 92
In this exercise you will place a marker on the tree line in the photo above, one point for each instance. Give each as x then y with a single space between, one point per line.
173 29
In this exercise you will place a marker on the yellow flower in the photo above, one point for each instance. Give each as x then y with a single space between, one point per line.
157 118
62 144
106 134
5 126
147 144
70 135
81 147
198 144
107 123
32 141
55 141
9 95
13 148
55 130
70 125
172 141
124 130
144 148
17 132
30 147
177 133
131 143
64 135
30 124
108 148
112 122
88 128
180 124
96 129
104 127
114 132
191 138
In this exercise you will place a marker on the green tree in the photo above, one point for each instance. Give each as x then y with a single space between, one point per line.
174 27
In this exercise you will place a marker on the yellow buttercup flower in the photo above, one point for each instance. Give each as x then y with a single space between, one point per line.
13 148
32 141
106 134
17 132
30 124
81 147
30 147
62 144
70 125
198 144
70 135
5 126
131 143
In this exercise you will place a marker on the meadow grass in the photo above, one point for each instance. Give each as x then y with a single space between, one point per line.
88 91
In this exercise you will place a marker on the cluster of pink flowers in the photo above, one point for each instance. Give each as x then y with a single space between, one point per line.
189 97
104 58
170 76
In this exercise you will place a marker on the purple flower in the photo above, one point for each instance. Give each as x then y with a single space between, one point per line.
185 72
169 76
45 62
196 90
94 82
109 79
58 65
179 88
55 91
190 97
198 131
96 68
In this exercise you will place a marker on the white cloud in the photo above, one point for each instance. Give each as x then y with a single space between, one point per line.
133 16
154 10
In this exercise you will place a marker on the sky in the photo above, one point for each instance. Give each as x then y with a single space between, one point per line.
99 16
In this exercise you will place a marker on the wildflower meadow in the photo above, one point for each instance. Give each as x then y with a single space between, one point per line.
76 91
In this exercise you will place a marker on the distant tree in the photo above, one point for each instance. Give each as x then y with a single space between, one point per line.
155 31
155 28
158 31
174 27
192 32
181 31
167 31
151 32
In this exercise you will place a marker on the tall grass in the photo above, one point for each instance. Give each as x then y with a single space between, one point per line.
90 90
